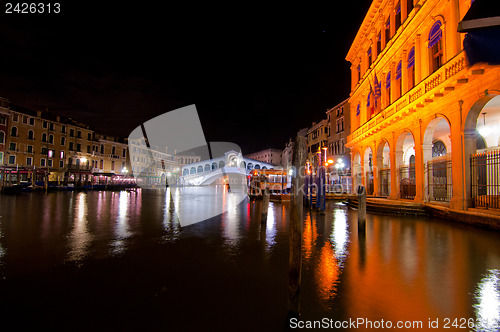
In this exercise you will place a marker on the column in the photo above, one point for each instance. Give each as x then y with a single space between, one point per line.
419 163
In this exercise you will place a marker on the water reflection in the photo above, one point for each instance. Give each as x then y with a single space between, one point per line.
170 219
270 227
340 234
487 297
80 237
121 229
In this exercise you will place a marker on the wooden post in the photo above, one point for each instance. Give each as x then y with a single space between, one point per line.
361 208
296 220
265 205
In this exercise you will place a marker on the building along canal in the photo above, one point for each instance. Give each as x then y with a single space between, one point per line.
121 261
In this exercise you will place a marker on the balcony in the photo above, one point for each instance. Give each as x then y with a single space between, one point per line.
451 74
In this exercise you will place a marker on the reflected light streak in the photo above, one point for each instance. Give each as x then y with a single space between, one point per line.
170 221
270 228
309 236
328 272
80 237
121 226
340 235
231 220
488 302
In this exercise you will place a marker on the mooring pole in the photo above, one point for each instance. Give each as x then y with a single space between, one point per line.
265 205
361 208
296 220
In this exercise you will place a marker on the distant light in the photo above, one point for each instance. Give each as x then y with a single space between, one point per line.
124 170
168 174
83 160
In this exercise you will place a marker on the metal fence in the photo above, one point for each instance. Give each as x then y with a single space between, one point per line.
485 179
439 184
369 183
407 184
385 182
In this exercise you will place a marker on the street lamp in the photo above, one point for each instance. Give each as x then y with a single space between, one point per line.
339 166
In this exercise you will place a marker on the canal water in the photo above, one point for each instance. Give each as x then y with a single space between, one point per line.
119 261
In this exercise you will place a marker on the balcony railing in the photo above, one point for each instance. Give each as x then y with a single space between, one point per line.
440 78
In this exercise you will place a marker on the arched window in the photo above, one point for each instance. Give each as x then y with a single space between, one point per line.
192 170
2 137
249 166
31 134
51 139
398 78
207 167
44 137
438 149
388 88
214 165
221 164
411 68
200 169
13 132
436 46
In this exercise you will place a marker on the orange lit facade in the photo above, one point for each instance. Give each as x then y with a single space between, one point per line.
417 106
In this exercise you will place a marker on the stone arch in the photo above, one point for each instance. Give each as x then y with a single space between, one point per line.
192 170
356 169
221 163
199 169
214 165
243 164
404 149
257 166
383 156
264 167
368 170
207 168
249 166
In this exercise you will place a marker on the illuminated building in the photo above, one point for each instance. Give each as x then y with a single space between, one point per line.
317 138
270 156
416 104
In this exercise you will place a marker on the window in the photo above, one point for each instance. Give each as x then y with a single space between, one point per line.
12 160
63 129
1 158
2 137
102 149
51 153
44 137
113 150
112 165
124 153
61 155
32 121
89 136
398 78
15 118
71 133
88 148
388 88
3 120
101 164
51 139
12 146
71 146
61 163
43 162
411 68
78 147
50 162
31 135
379 43
25 119
29 149
13 132
45 151
387 31
436 46
79 134
359 72
397 17
29 161
45 124
369 53
340 125
63 140
409 7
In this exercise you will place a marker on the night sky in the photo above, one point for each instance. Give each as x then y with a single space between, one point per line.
257 74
